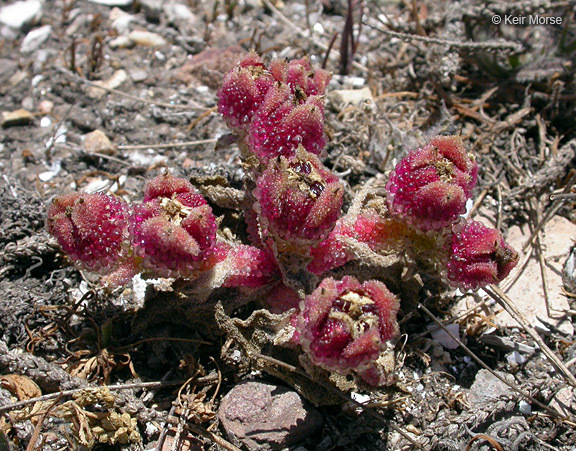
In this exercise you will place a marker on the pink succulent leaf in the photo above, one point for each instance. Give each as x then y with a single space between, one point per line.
243 90
166 185
429 187
282 298
304 81
249 266
479 256
344 325
298 198
90 228
280 125
174 230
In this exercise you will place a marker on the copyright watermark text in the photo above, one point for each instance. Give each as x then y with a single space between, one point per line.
532 19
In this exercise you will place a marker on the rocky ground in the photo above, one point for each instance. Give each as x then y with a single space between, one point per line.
102 95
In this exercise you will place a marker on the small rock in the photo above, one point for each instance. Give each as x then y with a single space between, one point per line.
97 141
112 2
442 337
45 106
345 97
487 389
569 271
264 416
152 9
119 77
17 117
177 12
138 75
121 42
8 67
121 21
35 38
564 401
22 14
147 38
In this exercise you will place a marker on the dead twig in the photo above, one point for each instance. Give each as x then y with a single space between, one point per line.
167 145
479 361
67 393
466 45
32 444
501 298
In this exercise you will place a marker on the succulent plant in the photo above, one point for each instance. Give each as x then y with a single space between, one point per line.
298 198
243 90
478 256
249 266
90 228
303 79
281 125
344 325
292 209
174 229
430 186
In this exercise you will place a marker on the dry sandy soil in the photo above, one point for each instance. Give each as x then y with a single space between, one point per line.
419 69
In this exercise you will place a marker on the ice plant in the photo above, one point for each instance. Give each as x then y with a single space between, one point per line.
344 325
174 229
90 228
292 208
430 186
298 199
380 234
478 256
248 266
302 78
281 124
243 90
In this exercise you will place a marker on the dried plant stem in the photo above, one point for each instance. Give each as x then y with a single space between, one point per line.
32 444
123 94
341 395
468 45
167 145
293 26
501 298
486 367
66 393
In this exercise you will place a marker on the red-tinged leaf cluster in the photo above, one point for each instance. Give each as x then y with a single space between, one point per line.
298 199
478 256
280 125
368 228
345 324
275 108
174 229
292 208
249 266
90 228
429 188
